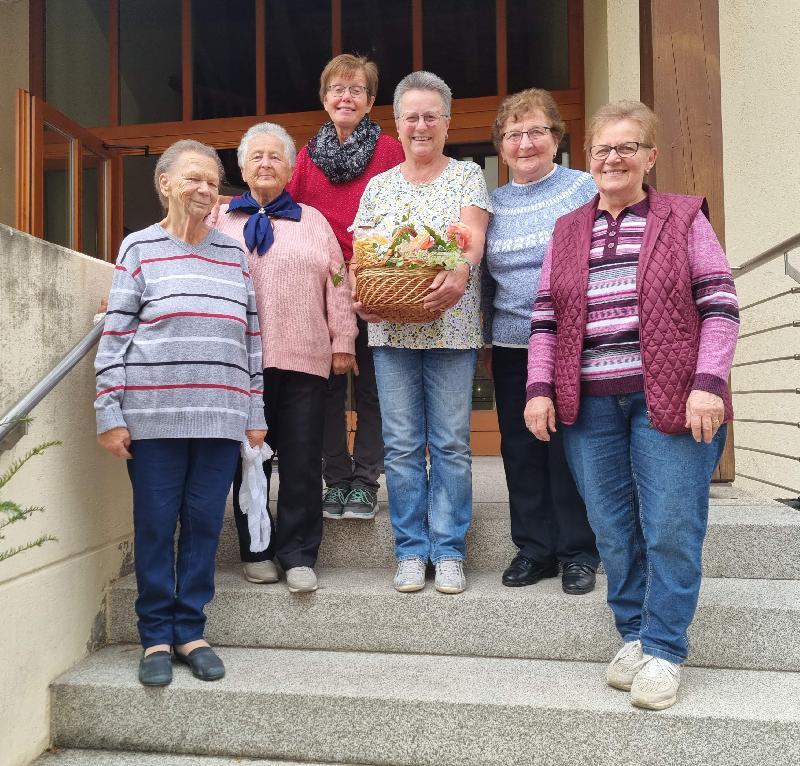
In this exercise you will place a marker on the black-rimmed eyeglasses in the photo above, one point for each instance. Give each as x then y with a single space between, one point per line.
627 149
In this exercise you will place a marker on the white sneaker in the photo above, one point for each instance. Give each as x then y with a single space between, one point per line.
656 684
260 571
625 665
410 575
450 576
301 579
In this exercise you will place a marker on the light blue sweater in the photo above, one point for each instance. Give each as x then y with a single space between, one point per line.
516 241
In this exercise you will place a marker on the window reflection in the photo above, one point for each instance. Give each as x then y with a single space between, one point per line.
538 44
150 60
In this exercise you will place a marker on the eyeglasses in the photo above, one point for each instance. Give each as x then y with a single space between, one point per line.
429 118
534 134
355 90
628 149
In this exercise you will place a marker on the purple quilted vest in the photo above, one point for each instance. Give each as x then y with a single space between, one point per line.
669 322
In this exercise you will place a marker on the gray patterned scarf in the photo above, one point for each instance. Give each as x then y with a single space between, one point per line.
344 162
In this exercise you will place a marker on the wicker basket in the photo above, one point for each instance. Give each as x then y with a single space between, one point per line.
394 293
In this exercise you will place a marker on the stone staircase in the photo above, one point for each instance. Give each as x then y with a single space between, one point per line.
359 674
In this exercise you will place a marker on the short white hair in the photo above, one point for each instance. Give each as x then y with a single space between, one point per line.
267 129
423 80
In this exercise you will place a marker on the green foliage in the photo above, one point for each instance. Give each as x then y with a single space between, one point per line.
12 512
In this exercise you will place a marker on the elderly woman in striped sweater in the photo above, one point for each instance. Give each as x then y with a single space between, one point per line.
178 389
632 339
309 330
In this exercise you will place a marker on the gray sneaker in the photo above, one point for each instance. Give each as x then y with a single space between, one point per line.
360 503
410 575
332 502
301 579
450 576
260 571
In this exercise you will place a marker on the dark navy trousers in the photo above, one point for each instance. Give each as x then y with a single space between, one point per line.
186 480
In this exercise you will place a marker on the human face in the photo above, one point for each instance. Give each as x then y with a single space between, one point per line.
529 160
266 170
420 140
192 185
347 110
619 179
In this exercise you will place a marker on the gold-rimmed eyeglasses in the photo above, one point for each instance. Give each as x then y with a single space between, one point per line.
355 90
535 133
429 118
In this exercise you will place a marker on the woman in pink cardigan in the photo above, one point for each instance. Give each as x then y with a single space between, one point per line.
331 174
308 328
632 339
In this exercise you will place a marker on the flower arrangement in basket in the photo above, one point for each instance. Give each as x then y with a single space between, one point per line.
394 273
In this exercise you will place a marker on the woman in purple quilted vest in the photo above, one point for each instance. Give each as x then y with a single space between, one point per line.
632 339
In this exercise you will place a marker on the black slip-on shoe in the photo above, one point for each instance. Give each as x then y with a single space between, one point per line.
524 571
204 663
155 669
577 578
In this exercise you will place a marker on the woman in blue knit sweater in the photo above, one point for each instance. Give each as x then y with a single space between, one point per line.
548 518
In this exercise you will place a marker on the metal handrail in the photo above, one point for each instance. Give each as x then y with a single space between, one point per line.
781 248
15 419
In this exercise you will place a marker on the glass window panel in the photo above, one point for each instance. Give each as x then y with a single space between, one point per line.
233 184
223 58
538 44
382 32
93 208
76 59
141 207
298 41
150 60
57 187
458 44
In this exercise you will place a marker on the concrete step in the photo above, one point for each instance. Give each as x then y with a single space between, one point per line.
747 538
422 710
119 758
750 624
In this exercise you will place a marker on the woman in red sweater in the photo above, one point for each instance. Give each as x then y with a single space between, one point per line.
331 173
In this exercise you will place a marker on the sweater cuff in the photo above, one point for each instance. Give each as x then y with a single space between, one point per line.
711 383
539 389
110 417
256 421
343 344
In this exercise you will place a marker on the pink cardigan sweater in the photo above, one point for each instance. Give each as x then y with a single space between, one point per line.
304 318
339 202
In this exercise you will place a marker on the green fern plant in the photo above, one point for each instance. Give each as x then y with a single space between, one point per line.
12 512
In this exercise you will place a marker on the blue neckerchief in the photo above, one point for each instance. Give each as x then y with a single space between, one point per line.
258 230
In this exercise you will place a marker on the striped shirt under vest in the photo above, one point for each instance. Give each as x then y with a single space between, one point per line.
180 355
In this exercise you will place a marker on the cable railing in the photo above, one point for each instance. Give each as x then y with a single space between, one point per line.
14 422
768 256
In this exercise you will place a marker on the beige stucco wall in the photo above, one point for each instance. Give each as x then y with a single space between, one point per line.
52 599
13 75
611 51
760 74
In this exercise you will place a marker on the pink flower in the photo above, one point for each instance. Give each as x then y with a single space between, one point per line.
459 233
423 241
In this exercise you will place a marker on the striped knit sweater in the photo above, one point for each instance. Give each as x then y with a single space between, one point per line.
180 355
611 357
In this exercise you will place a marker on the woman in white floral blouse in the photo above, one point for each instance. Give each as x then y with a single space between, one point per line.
424 371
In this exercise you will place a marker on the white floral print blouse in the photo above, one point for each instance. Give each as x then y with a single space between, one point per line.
389 196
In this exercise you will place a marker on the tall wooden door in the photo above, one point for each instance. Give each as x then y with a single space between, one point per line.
68 182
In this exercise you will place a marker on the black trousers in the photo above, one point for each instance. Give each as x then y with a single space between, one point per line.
294 406
366 463
548 517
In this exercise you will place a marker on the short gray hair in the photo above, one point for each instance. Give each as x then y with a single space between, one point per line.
168 160
423 80
267 129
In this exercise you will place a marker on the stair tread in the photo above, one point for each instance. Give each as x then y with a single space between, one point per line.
735 694
122 758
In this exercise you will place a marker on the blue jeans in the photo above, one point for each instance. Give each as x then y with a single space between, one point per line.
186 479
647 497
426 400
